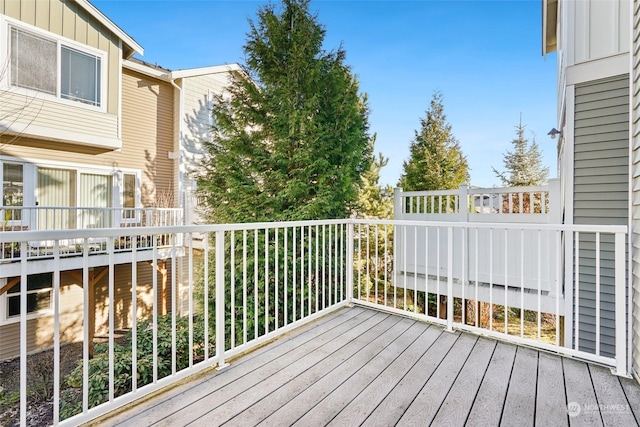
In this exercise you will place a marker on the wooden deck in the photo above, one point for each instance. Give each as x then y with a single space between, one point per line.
363 367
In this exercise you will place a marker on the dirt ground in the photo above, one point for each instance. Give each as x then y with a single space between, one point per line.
39 385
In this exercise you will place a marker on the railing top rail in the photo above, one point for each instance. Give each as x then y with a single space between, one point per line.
502 190
453 192
21 236
501 225
77 208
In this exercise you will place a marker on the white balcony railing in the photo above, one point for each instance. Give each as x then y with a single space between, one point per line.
20 218
44 218
252 282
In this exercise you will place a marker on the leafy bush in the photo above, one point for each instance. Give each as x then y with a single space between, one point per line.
71 400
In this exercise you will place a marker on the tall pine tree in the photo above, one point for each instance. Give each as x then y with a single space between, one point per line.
523 165
436 161
293 143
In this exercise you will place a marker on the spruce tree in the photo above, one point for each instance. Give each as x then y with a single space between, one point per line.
436 161
523 165
291 141
375 200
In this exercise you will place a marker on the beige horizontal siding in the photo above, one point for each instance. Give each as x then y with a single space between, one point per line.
65 18
147 130
40 330
25 112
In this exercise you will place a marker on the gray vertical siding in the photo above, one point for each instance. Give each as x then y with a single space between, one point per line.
601 185
635 207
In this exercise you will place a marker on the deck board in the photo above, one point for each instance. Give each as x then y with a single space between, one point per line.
241 394
358 366
519 406
551 409
424 407
611 397
367 401
457 405
489 401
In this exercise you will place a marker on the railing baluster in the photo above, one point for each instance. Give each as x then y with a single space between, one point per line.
190 296
220 300
232 267
205 240
244 286
266 281
598 295
576 262
294 261
111 267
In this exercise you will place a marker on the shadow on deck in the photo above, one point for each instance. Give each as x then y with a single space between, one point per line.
358 366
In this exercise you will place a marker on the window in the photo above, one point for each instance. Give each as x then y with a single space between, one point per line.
96 192
39 295
53 67
33 62
12 190
80 76
128 196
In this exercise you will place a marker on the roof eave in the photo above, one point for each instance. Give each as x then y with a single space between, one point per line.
216 69
130 45
549 26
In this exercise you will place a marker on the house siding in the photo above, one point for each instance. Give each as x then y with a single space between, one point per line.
40 330
601 176
147 130
635 206
194 130
67 19
600 29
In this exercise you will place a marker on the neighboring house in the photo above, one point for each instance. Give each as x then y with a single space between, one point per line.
89 137
198 86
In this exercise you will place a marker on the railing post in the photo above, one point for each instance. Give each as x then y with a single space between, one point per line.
463 202
620 306
220 299
450 279
397 203
555 204
349 266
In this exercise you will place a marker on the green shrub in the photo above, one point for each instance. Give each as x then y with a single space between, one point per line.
71 400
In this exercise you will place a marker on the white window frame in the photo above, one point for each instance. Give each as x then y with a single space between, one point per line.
5 57
4 301
137 197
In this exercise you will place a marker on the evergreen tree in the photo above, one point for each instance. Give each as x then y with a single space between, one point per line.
523 165
375 201
291 142
436 161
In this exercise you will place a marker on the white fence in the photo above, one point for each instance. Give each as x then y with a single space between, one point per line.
252 282
490 250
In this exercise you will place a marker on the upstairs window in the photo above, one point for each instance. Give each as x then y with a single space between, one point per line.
50 66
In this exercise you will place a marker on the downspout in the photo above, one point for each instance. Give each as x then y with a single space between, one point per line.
178 190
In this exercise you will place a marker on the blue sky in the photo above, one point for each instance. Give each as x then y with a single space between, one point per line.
484 56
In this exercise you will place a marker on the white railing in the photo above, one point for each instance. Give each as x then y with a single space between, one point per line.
17 218
537 204
276 276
